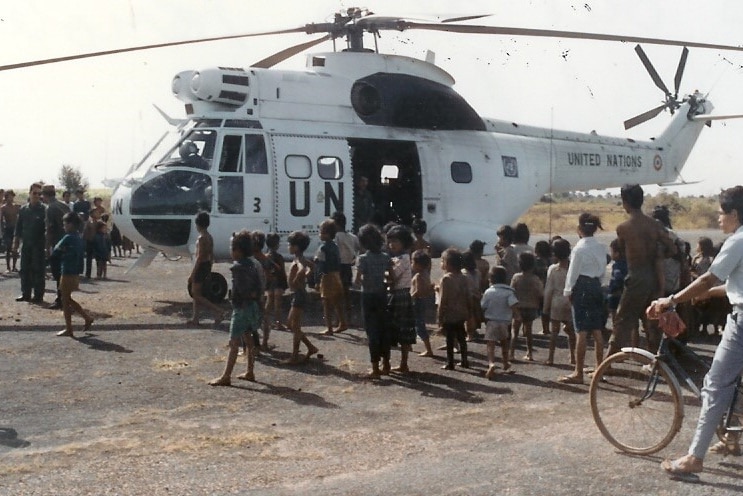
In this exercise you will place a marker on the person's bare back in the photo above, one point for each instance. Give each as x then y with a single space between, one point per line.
640 236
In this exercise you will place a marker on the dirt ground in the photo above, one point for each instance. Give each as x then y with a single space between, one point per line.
125 409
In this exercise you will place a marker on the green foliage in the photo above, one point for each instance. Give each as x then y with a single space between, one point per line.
71 179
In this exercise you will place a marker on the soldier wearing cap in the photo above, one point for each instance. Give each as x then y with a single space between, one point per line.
30 235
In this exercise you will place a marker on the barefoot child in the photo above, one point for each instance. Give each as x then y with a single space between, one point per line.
276 283
328 261
202 268
422 292
556 304
529 291
583 287
70 251
399 242
454 306
300 268
246 295
370 276
498 306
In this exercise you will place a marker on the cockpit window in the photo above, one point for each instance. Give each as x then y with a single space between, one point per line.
177 192
196 150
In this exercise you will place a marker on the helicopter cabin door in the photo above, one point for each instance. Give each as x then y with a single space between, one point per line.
313 178
244 184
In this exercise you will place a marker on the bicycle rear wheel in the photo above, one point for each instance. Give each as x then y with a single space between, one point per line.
731 430
636 403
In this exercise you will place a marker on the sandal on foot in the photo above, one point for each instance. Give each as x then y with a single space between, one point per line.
674 470
400 369
247 377
88 323
220 381
725 448
490 373
65 333
425 354
570 379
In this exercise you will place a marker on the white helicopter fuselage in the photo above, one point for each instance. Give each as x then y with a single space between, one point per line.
280 151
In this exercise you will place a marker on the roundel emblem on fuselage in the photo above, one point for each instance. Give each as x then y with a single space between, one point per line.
657 163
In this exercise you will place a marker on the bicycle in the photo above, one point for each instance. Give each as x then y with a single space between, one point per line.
637 401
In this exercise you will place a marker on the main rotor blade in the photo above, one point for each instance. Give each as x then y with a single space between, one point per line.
466 18
288 52
680 71
145 47
549 33
645 116
651 70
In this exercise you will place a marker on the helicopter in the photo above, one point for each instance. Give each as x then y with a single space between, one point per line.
281 150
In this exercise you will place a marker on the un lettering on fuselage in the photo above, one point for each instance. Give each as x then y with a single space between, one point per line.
612 160
299 198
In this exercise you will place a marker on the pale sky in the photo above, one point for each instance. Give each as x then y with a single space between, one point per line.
97 114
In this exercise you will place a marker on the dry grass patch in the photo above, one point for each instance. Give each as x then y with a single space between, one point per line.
232 438
170 364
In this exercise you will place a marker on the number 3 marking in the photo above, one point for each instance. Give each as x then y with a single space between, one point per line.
256 205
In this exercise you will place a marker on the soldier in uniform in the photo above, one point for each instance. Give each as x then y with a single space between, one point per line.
30 232
55 210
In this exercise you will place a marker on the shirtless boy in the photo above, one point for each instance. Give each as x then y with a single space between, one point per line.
202 267
640 237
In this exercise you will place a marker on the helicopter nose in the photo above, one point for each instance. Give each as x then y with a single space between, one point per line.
162 208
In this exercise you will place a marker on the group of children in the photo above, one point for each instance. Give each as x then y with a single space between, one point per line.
393 274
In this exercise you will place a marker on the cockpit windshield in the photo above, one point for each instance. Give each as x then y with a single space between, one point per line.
195 150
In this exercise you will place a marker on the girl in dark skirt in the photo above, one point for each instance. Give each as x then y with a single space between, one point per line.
399 242
583 287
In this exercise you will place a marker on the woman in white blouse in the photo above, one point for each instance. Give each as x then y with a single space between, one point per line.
583 288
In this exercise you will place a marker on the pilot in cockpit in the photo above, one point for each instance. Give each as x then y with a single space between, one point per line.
190 156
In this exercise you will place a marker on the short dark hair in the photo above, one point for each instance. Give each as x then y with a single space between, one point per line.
328 227
202 219
477 247
632 195
370 238
542 249
242 242
422 258
259 240
419 226
72 218
732 199
273 240
663 215
299 239
561 249
498 275
340 220
454 259
402 234
527 261
521 233
506 232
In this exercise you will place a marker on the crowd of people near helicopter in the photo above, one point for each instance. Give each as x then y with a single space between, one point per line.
472 301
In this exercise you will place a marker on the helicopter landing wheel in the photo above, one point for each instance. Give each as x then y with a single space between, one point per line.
214 288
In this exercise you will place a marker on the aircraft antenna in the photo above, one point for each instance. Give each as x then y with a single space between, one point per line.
552 149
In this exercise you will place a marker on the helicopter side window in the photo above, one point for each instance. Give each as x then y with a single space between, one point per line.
461 172
230 199
178 192
298 166
330 167
230 158
255 154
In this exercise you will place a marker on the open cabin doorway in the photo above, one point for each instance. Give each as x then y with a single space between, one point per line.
394 181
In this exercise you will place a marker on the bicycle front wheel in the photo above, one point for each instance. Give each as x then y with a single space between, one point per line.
636 403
